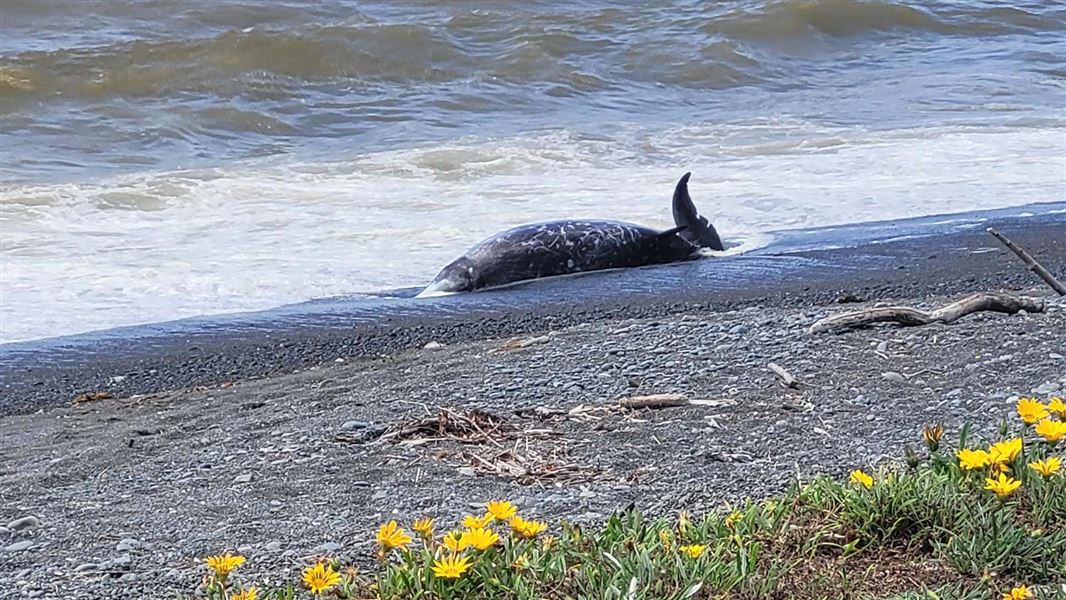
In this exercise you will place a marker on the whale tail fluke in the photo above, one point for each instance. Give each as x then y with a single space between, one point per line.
693 228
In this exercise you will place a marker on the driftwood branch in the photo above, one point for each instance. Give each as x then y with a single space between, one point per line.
654 401
907 316
787 379
1030 262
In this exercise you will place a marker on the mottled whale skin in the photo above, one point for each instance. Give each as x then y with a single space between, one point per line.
576 246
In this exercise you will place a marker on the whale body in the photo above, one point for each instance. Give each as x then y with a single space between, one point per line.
577 246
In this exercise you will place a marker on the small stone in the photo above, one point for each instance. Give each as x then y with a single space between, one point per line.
4 532
1044 388
243 478
738 329
172 575
127 544
893 377
540 339
19 546
351 425
379 495
245 549
121 560
24 523
882 347
273 547
329 547
86 567
1055 356
433 346
129 577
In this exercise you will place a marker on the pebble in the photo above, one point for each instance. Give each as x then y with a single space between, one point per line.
273 547
19 546
4 531
24 523
127 544
893 377
243 478
1055 356
738 329
433 346
86 567
350 425
882 347
329 547
1044 388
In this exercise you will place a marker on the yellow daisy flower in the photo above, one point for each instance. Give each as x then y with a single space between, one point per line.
222 564
733 518
1005 451
862 478
1019 593
391 535
527 529
693 550
1052 431
450 567
472 522
1031 410
1047 467
423 527
501 510
521 563
666 540
321 577
480 538
971 460
1057 406
453 541
1003 486
248 594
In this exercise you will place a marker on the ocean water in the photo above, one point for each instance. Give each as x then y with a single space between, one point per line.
161 159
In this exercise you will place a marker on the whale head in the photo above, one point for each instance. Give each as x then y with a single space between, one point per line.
459 276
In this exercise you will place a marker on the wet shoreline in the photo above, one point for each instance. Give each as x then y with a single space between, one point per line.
911 258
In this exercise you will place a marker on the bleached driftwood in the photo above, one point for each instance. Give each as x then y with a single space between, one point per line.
654 401
787 379
907 316
1030 262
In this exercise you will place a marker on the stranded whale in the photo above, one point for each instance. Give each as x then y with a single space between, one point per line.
577 246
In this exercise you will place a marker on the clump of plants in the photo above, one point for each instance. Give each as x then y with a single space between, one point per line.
984 519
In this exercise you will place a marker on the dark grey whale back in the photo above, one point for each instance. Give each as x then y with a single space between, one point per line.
577 246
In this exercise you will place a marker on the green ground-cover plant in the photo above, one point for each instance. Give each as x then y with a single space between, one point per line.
984 519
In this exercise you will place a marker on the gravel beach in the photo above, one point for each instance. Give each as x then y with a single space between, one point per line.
118 497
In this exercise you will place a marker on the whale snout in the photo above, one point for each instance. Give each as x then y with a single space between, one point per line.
456 277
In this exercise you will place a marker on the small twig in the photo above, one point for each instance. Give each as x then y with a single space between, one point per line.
1030 262
786 378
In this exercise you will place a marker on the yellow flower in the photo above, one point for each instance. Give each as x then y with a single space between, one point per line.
423 527
1004 452
1052 431
684 522
666 540
472 522
453 541
862 478
450 567
501 510
521 563
693 551
932 434
392 536
321 577
1003 486
1031 410
248 594
1057 406
1019 593
222 564
479 538
733 518
527 529
547 542
971 460
1047 467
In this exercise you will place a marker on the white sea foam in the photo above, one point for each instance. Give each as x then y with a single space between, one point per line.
246 236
